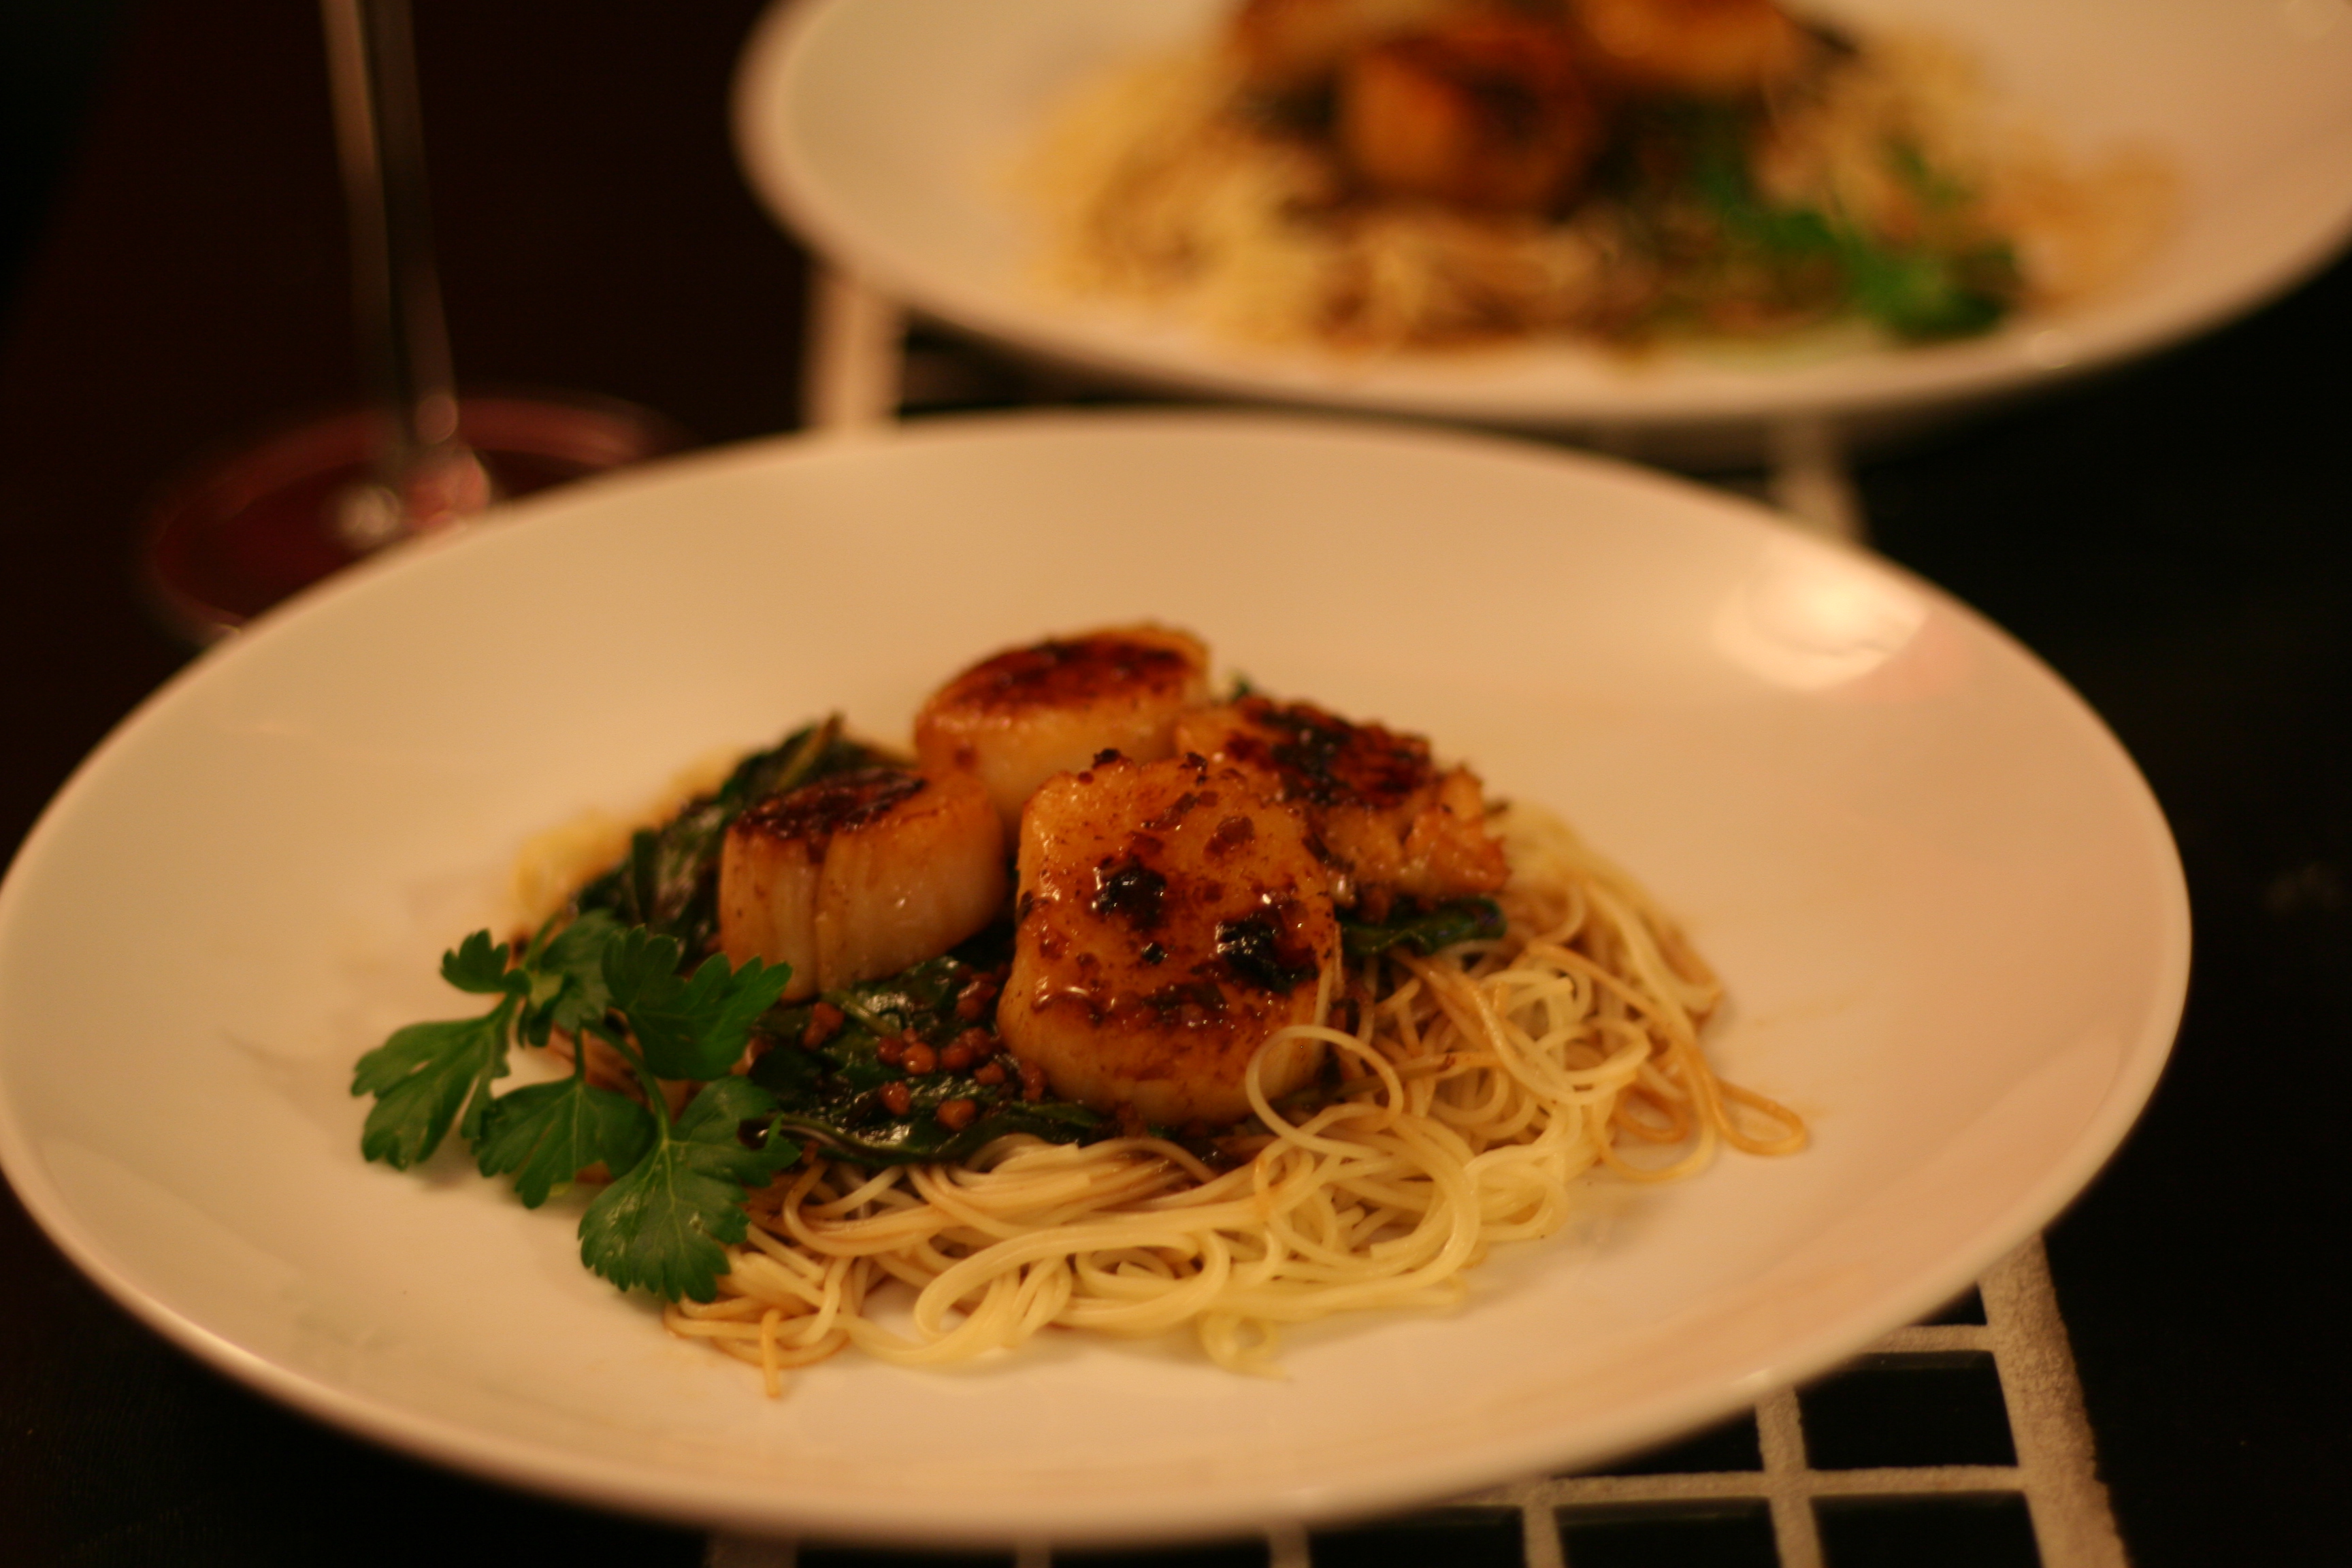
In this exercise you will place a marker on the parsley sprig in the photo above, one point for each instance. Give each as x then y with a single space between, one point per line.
677 1192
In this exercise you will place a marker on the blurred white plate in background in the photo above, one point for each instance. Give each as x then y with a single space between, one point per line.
882 130
1947 909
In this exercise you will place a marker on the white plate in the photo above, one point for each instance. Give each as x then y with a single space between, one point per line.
1948 911
881 129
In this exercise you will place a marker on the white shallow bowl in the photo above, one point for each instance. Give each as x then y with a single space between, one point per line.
1948 911
882 130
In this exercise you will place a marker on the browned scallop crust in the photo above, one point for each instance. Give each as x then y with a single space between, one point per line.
1017 719
1295 46
1387 821
1699 48
1169 920
859 874
1488 110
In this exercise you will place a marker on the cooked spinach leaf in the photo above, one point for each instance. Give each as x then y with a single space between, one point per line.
1425 931
909 1069
668 881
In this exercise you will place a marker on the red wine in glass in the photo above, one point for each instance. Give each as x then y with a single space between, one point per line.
243 532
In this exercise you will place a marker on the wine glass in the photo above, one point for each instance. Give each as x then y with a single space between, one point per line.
239 534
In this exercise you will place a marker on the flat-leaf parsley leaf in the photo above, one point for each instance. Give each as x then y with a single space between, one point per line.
422 1076
678 1190
687 1028
549 1132
661 1226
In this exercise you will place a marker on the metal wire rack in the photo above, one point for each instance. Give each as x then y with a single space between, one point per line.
1958 1442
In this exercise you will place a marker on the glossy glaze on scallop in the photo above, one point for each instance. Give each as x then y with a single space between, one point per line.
1169 920
1291 45
859 874
1017 719
1389 823
1692 49
1485 109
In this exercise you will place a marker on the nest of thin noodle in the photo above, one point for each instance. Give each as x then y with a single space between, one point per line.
1477 1085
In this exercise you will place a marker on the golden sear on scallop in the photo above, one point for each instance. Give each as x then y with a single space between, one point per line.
859 874
1486 111
1015 720
1389 823
1291 46
1693 48
1169 920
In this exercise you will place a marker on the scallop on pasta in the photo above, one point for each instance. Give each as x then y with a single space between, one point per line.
1115 1003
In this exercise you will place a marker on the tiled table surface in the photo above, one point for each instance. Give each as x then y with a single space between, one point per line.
1965 1433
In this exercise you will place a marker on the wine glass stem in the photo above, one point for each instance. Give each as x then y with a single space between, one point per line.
424 473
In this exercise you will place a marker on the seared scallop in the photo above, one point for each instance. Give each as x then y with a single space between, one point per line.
859 874
1486 111
1288 45
1699 48
1390 823
1019 717
1171 919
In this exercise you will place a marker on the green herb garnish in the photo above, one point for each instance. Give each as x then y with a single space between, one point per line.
1734 257
677 1187
1918 290
661 1224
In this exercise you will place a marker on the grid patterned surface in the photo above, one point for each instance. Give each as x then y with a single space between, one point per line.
1958 1441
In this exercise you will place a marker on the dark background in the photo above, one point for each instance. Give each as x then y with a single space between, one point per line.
2172 539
